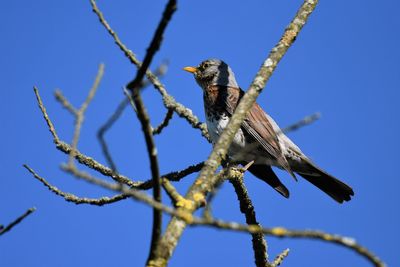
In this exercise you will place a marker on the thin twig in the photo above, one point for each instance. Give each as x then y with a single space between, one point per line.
125 191
301 123
105 127
73 198
93 164
178 175
160 71
46 116
17 221
154 46
79 115
171 191
164 123
278 260
65 103
288 233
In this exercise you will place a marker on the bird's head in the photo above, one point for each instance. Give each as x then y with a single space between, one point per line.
213 72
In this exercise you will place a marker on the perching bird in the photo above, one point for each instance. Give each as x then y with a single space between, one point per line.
259 138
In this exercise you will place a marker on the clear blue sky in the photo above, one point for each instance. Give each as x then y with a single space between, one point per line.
344 64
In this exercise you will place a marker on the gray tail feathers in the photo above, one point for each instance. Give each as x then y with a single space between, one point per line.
265 173
335 188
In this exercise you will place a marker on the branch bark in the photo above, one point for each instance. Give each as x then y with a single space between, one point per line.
189 219
144 119
247 208
205 180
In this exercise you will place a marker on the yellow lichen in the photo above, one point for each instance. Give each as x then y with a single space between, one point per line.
255 228
184 203
198 197
288 38
157 263
186 216
278 231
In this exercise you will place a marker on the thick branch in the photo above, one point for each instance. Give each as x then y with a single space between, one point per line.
205 180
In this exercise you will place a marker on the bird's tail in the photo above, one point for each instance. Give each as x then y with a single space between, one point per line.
265 173
332 186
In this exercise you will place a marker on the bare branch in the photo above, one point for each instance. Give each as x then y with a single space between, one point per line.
83 159
93 164
205 179
125 191
154 46
168 100
278 260
105 127
171 191
301 123
73 198
164 123
189 219
46 116
65 103
287 233
160 71
247 208
4 230
144 119
178 175
161 249
80 114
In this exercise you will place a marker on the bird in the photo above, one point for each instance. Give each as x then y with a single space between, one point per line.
259 139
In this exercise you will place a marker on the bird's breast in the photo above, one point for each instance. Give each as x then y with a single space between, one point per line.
216 124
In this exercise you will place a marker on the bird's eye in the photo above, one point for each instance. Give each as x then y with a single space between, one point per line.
205 65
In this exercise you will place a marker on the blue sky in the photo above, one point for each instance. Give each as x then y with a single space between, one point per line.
344 64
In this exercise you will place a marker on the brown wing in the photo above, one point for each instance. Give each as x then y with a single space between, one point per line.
256 123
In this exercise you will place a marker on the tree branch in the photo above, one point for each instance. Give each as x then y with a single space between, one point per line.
80 113
247 208
186 217
4 230
144 119
278 260
164 123
93 164
301 123
160 71
205 180
168 101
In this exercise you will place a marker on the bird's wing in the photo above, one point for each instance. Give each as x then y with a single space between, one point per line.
256 124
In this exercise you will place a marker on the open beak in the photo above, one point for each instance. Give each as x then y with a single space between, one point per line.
190 69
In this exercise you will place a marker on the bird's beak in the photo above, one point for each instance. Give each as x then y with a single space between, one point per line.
190 69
